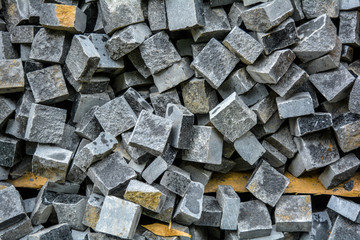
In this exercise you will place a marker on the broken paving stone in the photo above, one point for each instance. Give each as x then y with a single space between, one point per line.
176 180
51 162
48 85
317 149
116 15
155 60
215 62
259 19
237 116
299 104
282 140
7 50
63 17
312 123
157 15
130 79
173 75
145 195
315 8
182 125
189 208
7 107
270 69
254 220
205 147
349 26
345 208
59 231
125 40
229 203
265 108
273 156
344 228
280 37
249 148
184 15
339 171
267 184
243 45
346 127
46 124
216 25
17 230
43 206
199 97
354 99
211 213
319 30
136 101
12 76
347 54
124 226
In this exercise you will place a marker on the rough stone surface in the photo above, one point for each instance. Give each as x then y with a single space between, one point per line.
211 212
136 101
345 208
272 155
255 94
7 107
136 59
12 76
265 108
130 79
344 228
346 127
354 99
313 9
229 203
84 102
312 123
59 231
176 180
89 127
299 104
249 148
238 81
10 151
136 154
157 15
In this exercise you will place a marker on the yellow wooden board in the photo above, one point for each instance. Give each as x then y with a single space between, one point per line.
308 184
29 180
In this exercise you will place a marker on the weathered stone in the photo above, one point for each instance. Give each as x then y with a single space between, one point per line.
84 102
239 118
155 60
23 34
229 203
59 231
136 59
225 167
136 101
211 213
25 52
265 108
82 59
273 155
63 17
317 149
215 62
51 162
254 220
321 226
267 184
354 99
184 15
339 171
199 97
313 9
259 19
173 75
46 124
216 25
205 147
347 54
344 228
136 154
66 187
317 38
235 14
7 107
189 208
354 67
249 154
151 133
274 123
349 4
125 40
176 180
238 81
255 94
157 15
12 76
130 79
124 226
15 13
345 208
270 69
80 235
4 173
17 230
283 141
116 15
197 174
299 104
7 50
217 3
308 124
346 127
48 85
89 127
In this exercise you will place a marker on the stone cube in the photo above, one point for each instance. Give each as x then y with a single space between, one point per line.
84 102
265 108
339 171
59 231
232 117
136 101
215 62
234 14
344 228
299 104
225 167
272 155
257 93
160 101
267 184
15 13
130 79
293 213
118 217
283 141
157 15
249 154
229 203
136 59
92 210
270 69
347 54
197 174
313 9
45 124
346 127
205 147
17 230
312 123
321 226
211 213
136 154
51 162
7 50
238 81
89 127
7 107
12 76
345 208
176 180
354 98
254 220
349 4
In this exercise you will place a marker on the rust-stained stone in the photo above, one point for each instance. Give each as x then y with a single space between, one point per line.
11 76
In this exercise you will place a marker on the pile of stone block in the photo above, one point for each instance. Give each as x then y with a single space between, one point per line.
128 107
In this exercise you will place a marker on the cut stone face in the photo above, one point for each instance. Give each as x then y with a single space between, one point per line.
267 184
136 101
157 60
283 141
293 213
92 210
46 124
254 220
232 117
347 54
205 147
346 127
84 102
130 79
19 13
265 108
89 127
235 14
215 62
344 228
354 99
312 123
12 76
321 226
270 69
7 50
255 94
345 208
273 156
197 174
7 107
262 18
136 59
317 149
299 104
184 15
119 14
17 230
238 81
10 151
176 180
249 148
211 213
243 45
157 15
313 9
59 231
229 203
136 154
